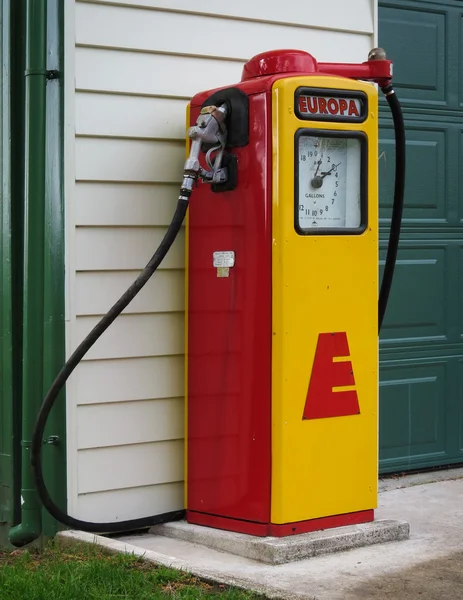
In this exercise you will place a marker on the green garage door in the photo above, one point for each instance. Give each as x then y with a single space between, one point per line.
421 348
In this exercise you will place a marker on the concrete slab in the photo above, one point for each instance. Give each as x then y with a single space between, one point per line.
277 551
427 566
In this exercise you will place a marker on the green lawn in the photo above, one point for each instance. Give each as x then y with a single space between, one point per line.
88 573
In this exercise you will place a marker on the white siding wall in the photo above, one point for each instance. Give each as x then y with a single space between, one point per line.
131 67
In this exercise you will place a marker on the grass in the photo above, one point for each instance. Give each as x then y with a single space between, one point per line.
89 573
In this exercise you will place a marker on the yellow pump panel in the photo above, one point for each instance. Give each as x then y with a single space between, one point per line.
322 284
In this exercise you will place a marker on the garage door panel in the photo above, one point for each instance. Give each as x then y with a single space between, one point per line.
416 42
421 358
460 407
417 304
413 411
460 60
427 155
459 179
457 293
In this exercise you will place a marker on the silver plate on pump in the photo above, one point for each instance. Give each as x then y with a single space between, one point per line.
223 261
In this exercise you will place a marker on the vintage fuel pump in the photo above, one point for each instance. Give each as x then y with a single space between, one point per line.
282 353
282 291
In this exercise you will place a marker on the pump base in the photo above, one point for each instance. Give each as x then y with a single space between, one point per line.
279 530
277 551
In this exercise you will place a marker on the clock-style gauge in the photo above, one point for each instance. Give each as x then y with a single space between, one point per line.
330 182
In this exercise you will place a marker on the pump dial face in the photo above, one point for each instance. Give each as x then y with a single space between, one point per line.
329 182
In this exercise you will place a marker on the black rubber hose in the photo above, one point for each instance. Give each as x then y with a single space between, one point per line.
68 368
397 209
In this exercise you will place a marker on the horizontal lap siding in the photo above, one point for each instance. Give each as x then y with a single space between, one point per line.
131 502
136 64
116 248
358 17
119 380
95 291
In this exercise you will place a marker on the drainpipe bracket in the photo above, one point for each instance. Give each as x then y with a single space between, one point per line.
30 72
48 74
52 440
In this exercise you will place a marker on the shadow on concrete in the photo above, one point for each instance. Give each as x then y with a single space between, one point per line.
438 579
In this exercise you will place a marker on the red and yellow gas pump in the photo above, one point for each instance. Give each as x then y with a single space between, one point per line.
282 300
282 342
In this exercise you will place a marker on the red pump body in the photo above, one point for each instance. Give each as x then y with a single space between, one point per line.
228 469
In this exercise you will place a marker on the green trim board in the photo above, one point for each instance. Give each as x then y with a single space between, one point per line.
54 456
51 352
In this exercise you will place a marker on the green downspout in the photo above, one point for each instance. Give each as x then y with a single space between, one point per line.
6 325
34 222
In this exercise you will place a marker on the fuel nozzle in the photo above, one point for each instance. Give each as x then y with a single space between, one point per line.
209 129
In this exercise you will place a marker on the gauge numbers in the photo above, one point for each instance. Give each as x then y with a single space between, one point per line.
329 182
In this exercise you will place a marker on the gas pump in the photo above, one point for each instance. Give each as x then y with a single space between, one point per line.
282 291
282 430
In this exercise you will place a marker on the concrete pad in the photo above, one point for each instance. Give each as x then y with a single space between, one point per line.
426 566
277 551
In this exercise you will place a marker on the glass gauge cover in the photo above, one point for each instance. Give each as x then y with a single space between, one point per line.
330 182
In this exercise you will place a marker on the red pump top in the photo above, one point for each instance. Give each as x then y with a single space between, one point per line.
273 62
279 61
262 70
